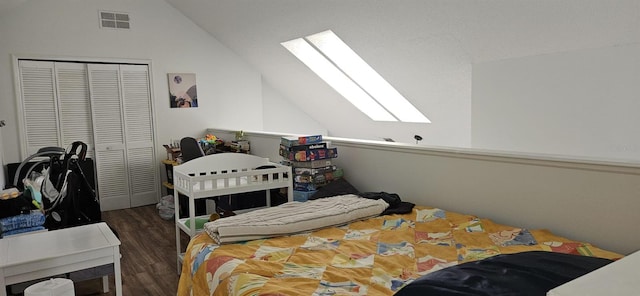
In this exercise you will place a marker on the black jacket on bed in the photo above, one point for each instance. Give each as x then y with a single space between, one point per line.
521 274
396 205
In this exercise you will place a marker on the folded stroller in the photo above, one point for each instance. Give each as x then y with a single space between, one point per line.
67 197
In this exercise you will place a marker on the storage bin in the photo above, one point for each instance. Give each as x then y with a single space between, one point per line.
302 195
51 287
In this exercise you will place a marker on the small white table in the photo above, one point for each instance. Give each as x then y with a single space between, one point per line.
44 254
620 278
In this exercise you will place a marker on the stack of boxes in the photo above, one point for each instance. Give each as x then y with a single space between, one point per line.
310 160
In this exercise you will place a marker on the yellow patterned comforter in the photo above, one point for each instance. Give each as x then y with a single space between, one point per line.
377 256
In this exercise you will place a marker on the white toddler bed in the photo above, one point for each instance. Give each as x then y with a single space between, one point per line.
223 174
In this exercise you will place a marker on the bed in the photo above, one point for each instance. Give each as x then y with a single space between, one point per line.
404 254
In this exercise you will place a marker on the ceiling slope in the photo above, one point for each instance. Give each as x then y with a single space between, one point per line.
425 48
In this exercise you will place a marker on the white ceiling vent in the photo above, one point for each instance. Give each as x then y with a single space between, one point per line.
114 20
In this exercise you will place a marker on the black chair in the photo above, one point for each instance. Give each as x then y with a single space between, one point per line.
190 149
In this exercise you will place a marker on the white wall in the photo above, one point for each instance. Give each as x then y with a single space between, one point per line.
590 201
281 115
580 103
2 181
158 33
229 90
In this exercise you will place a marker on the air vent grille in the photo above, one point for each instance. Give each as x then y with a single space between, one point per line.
114 20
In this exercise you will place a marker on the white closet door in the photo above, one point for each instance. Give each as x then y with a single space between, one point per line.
106 106
74 104
38 106
138 122
109 136
55 105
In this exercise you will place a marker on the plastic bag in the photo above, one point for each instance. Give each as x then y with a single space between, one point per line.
166 207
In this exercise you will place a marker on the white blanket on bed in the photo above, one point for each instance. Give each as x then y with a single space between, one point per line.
294 217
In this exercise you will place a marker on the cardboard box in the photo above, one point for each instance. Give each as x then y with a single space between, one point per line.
301 147
303 179
308 164
309 155
292 141
310 139
289 141
318 179
313 171
309 183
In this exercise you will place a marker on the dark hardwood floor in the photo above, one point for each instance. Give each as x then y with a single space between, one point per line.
148 251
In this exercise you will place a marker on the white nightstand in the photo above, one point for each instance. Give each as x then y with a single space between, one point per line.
620 278
44 254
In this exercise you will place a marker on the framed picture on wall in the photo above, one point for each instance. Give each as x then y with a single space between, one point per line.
182 90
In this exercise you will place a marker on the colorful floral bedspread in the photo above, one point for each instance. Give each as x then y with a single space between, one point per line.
372 257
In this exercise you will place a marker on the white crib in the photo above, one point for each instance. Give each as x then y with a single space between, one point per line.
223 174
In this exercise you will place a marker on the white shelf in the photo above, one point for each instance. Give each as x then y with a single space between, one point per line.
182 224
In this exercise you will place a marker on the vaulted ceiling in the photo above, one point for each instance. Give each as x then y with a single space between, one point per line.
425 48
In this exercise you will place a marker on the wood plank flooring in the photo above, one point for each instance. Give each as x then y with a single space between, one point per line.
148 254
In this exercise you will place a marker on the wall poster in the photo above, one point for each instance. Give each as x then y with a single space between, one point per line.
182 90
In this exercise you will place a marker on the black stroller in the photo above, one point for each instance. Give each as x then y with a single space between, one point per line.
67 197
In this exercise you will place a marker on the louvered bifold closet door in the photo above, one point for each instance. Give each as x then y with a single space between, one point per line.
74 105
38 106
138 121
109 136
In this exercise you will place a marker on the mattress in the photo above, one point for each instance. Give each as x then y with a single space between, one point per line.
377 256
294 217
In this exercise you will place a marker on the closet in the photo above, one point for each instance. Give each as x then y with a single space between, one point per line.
106 105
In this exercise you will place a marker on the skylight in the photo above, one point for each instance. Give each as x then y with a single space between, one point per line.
338 65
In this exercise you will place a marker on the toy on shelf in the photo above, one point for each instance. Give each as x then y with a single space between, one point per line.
211 139
210 143
173 152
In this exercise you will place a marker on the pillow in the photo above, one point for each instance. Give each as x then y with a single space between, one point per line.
336 187
521 274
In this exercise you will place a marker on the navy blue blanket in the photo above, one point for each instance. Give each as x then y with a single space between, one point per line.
521 274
